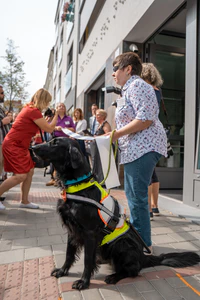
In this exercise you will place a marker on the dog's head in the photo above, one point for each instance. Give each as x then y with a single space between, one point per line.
66 156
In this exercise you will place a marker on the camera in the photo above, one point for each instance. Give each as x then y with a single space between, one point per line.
112 89
48 113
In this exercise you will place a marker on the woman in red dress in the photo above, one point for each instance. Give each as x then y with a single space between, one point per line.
16 144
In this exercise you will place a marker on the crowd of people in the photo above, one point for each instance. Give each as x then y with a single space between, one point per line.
141 138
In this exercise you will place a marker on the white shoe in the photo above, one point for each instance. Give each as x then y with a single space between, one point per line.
2 207
29 205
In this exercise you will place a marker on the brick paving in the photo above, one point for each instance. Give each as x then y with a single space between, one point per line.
33 242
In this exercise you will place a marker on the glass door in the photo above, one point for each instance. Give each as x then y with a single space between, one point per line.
170 62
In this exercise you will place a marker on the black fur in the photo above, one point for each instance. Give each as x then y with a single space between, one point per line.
85 227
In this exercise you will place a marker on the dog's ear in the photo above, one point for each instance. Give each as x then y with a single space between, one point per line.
76 157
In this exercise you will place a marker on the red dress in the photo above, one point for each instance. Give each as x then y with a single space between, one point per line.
16 143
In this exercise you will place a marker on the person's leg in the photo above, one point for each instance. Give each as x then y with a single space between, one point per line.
25 187
154 193
11 182
149 201
1 160
154 197
137 176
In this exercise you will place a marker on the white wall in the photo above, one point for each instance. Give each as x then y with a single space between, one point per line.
119 22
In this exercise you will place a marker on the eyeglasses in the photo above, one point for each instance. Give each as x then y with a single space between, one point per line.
115 68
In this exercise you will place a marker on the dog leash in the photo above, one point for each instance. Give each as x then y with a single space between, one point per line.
109 161
101 183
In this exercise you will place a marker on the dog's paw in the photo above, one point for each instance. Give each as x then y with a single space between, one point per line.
111 279
80 285
59 272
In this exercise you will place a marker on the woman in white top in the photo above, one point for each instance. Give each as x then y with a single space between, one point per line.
80 125
79 121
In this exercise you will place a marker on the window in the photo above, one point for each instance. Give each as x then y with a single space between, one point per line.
93 18
61 37
197 166
68 75
54 94
59 80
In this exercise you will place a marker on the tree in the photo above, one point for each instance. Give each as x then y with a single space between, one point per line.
13 76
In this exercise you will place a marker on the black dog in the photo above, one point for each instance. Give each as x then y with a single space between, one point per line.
85 227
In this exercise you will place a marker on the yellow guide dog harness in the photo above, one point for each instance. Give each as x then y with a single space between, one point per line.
110 212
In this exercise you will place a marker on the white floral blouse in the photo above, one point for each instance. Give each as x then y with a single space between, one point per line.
139 102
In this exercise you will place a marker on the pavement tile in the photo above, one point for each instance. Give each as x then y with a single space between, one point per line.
48 287
31 266
45 270
37 252
187 293
74 295
162 239
131 280
189 271
143 286
109 292
59 249
193 282
49 240
67 286
162 230
5 245
182 236
91 294
175 282
7 257
3 272
46 225
159 274
152 295
52 297
12 294
30 283
57 230
11 235
165 289
13 278
185 246
45 260
128 291
24 243
32 295
36 232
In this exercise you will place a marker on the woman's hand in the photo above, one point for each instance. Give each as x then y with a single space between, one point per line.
115 135
58 128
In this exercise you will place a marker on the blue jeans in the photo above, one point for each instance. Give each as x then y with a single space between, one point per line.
137 176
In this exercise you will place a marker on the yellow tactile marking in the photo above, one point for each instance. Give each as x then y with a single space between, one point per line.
186 283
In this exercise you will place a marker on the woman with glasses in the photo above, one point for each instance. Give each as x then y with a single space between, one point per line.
141 138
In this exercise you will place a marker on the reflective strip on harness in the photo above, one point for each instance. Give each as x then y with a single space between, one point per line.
115 234
110 212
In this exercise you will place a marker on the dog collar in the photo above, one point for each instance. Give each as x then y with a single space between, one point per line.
84 185
79 179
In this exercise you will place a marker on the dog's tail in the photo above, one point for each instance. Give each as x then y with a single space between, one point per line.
176 260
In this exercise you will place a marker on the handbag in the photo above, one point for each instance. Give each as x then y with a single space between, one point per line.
170 151
39 163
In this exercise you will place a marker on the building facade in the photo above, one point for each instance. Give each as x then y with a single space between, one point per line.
165 33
